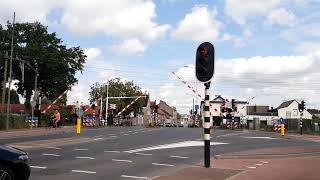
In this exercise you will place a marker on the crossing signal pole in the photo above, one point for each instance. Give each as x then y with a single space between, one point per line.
301 107
204 73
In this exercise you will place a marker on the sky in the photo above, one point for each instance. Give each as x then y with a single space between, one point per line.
266 52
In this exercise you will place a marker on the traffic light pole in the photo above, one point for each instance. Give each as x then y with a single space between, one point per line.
301 114
207 126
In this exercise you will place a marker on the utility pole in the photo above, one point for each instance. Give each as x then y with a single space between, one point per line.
107 100
6 57
10 72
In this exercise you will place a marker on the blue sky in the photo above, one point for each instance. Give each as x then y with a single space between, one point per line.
266 51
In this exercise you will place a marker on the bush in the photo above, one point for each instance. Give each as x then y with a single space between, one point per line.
15 122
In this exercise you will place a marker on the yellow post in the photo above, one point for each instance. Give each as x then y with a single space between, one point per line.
282 129
78 125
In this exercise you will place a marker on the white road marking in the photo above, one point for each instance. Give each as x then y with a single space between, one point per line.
174 145
122 160
180 157
158 164
122 132
88 172
113 136
248 137
51 147
97 136
264 162
135 133
133 177
129 131
46 154
143 154
126 134
231 134
96 139
252 167
259 164
81 157
38 167
81 149
112 151
198 139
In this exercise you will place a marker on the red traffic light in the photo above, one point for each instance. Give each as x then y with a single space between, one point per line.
205 62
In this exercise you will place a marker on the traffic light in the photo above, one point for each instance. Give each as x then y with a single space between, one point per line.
205 62
233 105
302 106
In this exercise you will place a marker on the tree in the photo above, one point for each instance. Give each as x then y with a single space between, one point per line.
118 88
178 116
56 64
14 97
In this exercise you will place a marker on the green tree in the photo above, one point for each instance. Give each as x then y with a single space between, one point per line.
56 64
14 97
118 88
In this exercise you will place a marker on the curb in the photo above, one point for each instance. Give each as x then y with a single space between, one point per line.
267 156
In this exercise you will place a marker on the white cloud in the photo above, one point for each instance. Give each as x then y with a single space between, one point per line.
129 46
241 10
308 47
281 17
125 19
199 25
270 79
92 53
239 41
26 11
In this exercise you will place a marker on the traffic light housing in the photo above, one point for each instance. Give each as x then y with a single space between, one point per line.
302 106
233 105
205 62
93 106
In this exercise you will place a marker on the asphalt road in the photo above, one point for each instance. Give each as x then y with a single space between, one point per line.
135 152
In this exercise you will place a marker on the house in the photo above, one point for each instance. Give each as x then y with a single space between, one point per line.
21 108
170 110
289 110
260 117
219 103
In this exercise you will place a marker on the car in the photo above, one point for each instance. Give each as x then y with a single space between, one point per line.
13 164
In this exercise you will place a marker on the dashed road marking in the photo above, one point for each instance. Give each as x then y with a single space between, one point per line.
126 134
81 149
264 162
262 137
113 136
82 157
51 147
259 164
112 151
96 139
158 164
122 160
38 167
180 157
252 167
133 177
87 172
143 154
47 154
98 136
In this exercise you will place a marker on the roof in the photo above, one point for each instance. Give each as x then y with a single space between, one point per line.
218 98
285 104
21 108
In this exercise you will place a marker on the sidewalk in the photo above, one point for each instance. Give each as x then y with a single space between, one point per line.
35 132
247 165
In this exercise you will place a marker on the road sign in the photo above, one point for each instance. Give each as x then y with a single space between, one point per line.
205 62
113 106
281 120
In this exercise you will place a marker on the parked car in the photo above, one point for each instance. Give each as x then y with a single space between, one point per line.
13 164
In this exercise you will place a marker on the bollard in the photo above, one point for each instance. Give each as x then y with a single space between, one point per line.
282 130
78 125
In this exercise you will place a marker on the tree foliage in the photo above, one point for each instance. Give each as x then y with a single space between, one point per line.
14 97
119 88
57 64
